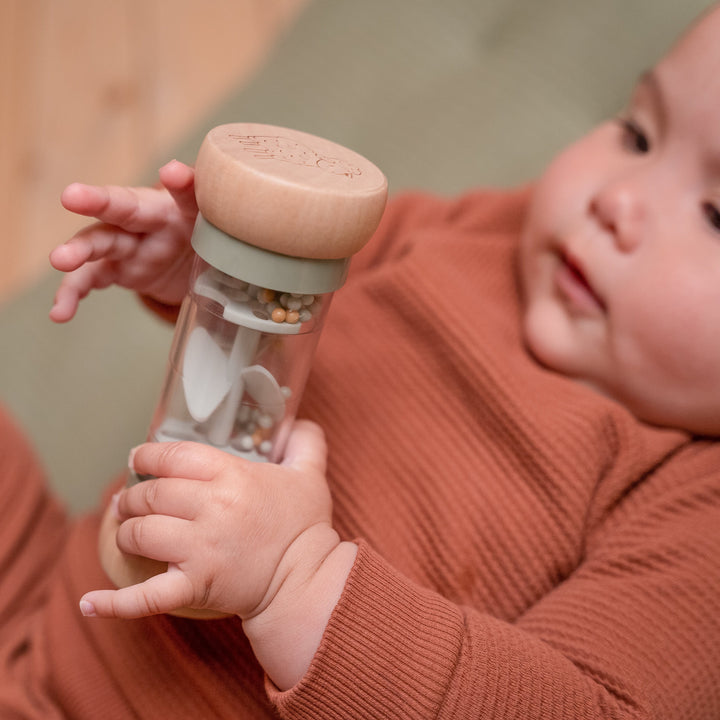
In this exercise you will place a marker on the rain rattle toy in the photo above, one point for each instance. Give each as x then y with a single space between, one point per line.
281 212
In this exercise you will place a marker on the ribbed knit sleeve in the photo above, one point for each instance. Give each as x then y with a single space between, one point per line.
529 550
631 635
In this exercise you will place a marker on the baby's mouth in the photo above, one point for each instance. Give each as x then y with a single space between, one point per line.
574 284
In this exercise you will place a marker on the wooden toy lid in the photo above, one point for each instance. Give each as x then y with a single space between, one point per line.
288 191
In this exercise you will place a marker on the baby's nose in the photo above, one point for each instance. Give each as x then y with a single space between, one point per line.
621 210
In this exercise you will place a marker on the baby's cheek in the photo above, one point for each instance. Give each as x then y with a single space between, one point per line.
564 190
674 331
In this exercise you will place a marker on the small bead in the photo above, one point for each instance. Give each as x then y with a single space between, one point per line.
246 443
294 303
308 299
305 315
265 447
292 316
278 315
265 295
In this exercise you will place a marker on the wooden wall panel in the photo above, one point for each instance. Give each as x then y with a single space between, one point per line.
91 90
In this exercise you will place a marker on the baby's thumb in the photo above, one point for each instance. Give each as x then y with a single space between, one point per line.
161 593
306 447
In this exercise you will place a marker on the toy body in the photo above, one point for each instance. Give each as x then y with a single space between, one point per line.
281 212
238 363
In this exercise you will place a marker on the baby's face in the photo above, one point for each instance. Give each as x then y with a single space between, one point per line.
620 258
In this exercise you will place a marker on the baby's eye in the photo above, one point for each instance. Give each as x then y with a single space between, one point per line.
712 214
633 136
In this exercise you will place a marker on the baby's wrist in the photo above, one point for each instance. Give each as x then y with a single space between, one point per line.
286 634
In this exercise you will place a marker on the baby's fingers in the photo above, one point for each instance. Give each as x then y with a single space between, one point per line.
76 285
158 537
96 242
166 592
179 180
136 210
189 460
174 497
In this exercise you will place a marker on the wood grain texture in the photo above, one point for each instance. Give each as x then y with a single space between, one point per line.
96 90
287 191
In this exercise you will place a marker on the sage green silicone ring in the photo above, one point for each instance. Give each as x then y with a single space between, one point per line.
263 267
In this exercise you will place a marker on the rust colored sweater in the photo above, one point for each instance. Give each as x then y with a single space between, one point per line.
527 548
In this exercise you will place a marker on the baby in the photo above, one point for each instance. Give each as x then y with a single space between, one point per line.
619 263
526 500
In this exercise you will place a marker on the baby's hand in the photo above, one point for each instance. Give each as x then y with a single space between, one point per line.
233 532
141 242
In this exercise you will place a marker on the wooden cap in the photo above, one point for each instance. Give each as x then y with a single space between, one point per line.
287 191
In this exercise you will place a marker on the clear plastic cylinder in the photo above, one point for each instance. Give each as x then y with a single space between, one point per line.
238 364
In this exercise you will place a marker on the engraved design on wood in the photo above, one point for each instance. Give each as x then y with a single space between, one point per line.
268 147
